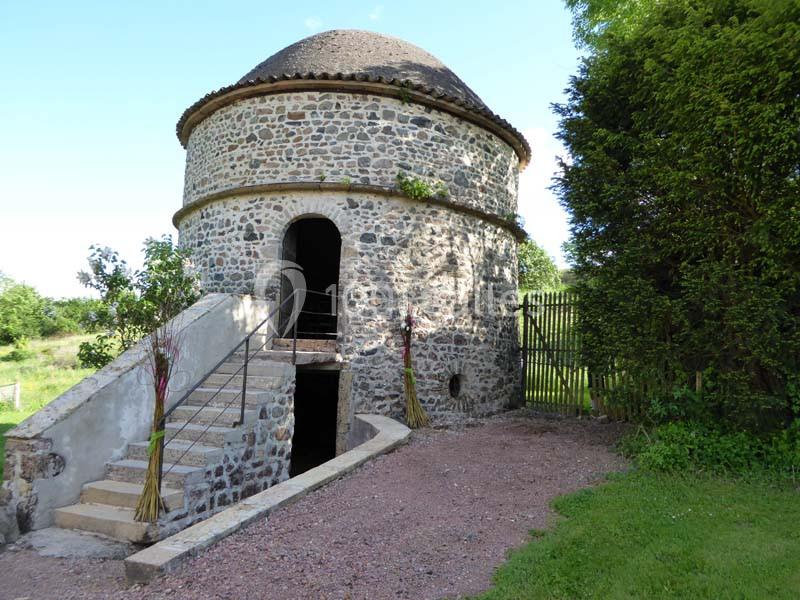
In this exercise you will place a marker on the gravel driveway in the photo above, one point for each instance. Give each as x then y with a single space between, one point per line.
430 520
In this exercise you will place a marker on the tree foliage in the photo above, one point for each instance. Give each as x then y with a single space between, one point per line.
595 21
684 192
137 302
22 312
537 270
25 314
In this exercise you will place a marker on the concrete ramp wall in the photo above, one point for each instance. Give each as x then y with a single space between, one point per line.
50 455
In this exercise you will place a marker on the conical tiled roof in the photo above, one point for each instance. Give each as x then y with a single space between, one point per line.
363 56
377 56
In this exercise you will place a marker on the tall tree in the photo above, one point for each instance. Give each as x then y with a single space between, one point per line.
537 269
595 21
684 192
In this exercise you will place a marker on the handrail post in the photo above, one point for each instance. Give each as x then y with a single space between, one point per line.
244 377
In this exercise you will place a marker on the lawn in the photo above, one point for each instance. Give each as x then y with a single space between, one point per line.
51 370
659 536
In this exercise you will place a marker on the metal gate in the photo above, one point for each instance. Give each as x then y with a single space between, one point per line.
553 379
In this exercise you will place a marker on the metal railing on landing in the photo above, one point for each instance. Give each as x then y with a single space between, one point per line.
242 370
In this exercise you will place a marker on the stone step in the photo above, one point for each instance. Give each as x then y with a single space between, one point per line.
179 451
227 397
305 345
223 417
207 435
287 356
113 521
260 367
254 382
133 471
125 494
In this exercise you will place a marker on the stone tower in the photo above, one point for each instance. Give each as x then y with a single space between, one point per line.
298 162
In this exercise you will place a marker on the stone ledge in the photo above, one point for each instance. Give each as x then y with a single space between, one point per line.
166 555
354 188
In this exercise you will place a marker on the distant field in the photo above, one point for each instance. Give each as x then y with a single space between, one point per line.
52 370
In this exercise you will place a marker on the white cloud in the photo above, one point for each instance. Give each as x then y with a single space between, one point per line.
313 23
545 220
377 13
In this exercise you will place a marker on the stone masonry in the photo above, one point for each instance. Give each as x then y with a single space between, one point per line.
253 458
321 130
366 139
457 270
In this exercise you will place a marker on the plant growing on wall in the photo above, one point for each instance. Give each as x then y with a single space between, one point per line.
415 415
419 189
515 219
405 95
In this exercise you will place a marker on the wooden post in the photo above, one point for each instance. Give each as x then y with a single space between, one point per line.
17 395
523 393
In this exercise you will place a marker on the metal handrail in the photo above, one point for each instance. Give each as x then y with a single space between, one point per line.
242 369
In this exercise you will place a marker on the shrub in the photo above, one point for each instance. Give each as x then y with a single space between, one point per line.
19 353
97 354
683 189
691 446
136 303
87 314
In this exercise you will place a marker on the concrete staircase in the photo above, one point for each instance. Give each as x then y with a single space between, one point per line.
195 435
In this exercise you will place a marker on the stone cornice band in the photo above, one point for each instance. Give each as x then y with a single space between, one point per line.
225 96
353 188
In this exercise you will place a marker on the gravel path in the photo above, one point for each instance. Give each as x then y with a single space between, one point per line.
430 520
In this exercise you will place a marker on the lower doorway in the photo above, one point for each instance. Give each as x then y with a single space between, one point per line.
316 398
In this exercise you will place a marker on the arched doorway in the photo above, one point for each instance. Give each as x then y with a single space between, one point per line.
314 245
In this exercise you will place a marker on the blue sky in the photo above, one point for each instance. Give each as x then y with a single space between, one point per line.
90 93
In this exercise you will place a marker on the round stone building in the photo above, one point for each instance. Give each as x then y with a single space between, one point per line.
297 163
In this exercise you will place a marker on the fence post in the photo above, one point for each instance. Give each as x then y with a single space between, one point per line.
17 395
525 351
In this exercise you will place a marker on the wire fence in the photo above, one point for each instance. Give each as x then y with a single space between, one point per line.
11 393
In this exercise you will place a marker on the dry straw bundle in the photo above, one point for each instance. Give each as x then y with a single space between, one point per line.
162 352
416 416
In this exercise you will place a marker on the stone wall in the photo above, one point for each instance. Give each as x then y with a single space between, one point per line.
315 136
253 458
457 271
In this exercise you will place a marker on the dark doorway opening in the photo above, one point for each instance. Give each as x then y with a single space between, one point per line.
315 245
316 399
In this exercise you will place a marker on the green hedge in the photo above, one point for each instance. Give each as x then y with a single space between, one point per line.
683 190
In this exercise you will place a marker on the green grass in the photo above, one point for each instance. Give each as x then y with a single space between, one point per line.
51 370
658 536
